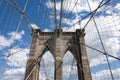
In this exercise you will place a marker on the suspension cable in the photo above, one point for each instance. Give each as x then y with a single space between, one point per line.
4 69
11 44
73 8
3 14
61 14
101 41
105 53
37 60
11 54
20 11
93 12
19 23
69 6
55 17
5 65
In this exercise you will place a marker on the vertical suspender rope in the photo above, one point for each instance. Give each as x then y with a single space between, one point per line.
1 2
55 18
11 45
4 69
2 16
18 26
61 14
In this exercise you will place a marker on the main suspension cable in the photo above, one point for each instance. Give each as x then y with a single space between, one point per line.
20 11
11 44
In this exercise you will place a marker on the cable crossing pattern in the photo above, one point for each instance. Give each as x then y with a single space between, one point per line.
102 39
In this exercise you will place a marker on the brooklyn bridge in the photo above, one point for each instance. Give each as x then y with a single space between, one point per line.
59 40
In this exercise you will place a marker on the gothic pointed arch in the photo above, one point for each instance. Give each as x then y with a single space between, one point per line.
69 66
47 66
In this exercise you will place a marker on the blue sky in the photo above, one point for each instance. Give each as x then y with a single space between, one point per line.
40 14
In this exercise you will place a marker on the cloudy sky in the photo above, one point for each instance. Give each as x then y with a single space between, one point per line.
15 36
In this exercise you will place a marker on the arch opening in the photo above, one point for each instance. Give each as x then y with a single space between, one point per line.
46 71
69 68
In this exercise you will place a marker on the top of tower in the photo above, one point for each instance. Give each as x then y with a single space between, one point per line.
34 26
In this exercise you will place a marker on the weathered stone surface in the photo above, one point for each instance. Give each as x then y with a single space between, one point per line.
57 43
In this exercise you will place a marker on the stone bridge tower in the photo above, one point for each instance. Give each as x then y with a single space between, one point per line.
52 41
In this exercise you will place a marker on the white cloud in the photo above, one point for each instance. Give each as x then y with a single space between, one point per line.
68 71
46 30
42 77
105 24
45 71
105 74
17 64
108 25
6 42
50 58
14 74
109 32
117 6
18 59
15 35
80 5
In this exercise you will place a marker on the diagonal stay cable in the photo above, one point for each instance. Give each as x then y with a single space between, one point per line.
59 65
105 53
32 65
20 11
18 26
101 42
19 23
8 55
37 60
92 13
